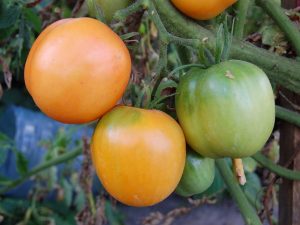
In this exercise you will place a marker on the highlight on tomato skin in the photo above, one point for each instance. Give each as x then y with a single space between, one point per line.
138 154
202 9
77 70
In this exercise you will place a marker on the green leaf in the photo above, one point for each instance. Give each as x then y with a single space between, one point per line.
252 190
113 216
22 163
9 16
4 151
164 85
79 200
271 35
33 18
4 138
219 44
4 180
129 35
68 192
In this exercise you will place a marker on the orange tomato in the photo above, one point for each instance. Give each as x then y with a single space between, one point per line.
77 70
202 9
138 154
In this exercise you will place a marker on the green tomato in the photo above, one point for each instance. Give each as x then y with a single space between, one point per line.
249 164
197 176
108 7
227 110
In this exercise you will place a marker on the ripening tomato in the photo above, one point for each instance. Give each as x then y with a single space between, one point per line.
198 175
227 110
138 154
107 7
77 70
202 9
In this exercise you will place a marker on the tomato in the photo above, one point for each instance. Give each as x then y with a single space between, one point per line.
198 175
108 7
227 110
138 154
202 9
77 70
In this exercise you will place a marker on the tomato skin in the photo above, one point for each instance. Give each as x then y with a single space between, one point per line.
108 7
198 175
227 110
138 154
202 9
77 70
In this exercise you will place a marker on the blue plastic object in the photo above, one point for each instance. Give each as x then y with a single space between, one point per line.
27 129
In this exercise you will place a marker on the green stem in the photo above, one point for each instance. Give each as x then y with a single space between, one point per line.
248 212
242 9
286 25
288 115
61 159
161 64
184 42
92 203
177 69
281 70
121 15
279 170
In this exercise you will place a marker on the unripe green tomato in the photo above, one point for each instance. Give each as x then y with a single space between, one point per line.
197 176
249 164
108 7
227 110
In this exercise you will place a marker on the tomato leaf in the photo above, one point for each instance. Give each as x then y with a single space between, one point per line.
33 18
4 180
164 85
68 192
219 44
113 216
252 190
9 16
22 162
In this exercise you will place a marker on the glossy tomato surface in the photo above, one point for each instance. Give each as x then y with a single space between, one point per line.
107 7
198 175
227 110
77 70
202 9
138 154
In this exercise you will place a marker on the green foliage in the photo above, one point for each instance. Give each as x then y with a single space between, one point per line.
113 215
253 190
22 163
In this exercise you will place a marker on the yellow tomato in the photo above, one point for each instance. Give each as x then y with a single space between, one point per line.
202 9
139 155
77 70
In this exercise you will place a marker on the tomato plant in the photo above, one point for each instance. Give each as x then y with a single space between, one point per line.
138 154
197 176
107 7
201 9
77 70
227 110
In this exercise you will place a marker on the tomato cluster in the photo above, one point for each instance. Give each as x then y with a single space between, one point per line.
78 69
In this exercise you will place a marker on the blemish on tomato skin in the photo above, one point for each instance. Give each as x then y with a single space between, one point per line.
229 75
